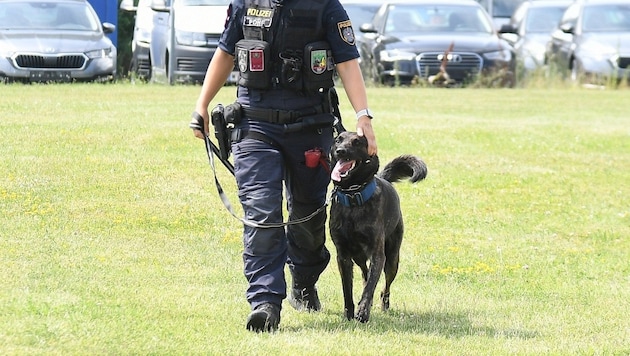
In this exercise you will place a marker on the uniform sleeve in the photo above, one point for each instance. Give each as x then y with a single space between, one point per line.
233 29
340 34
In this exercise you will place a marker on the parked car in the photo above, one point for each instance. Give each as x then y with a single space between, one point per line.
360 12
189 39
54 41
450 42
592 41
142 28
530 29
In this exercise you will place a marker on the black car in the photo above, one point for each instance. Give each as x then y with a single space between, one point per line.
447 42
530 29
592 42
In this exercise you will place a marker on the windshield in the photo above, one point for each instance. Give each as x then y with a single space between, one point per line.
606 18
543 19
47 16
437 18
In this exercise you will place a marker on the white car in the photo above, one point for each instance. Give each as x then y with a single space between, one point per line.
185 36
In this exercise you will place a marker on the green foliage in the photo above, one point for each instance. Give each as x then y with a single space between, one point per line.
126 21
114 240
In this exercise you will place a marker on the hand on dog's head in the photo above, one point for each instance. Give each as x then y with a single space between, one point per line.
351 161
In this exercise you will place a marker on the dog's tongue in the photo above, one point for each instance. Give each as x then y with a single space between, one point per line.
340 168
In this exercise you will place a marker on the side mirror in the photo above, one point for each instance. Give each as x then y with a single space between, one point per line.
367 28
567 27
108 27
507 28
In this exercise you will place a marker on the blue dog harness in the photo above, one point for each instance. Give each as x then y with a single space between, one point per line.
355 196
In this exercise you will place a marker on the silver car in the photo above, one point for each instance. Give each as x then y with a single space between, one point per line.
54 41
530 28
592 41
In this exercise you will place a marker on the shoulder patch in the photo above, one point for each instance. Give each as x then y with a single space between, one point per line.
346 32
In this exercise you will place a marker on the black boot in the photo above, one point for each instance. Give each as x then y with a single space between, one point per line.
305 299
265 318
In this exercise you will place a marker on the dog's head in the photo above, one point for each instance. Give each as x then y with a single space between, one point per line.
351 161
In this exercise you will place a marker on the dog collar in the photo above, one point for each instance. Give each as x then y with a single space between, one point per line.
356 197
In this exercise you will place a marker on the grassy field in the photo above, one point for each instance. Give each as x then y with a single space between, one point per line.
114 240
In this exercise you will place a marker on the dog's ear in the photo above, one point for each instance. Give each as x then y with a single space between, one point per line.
363 141
373 163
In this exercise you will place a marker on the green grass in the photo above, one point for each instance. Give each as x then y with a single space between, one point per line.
114 240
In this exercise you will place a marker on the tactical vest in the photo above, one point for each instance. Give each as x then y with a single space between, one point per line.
284 46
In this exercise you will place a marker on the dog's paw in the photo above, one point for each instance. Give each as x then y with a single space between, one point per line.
349 312
362 317
385 301
363 314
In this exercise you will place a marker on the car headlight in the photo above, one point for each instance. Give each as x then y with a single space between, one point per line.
504 55
397 55
196 39
100 53
5 53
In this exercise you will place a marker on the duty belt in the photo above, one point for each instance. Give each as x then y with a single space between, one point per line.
280 116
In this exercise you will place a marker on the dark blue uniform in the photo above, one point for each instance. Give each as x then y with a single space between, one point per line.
264 168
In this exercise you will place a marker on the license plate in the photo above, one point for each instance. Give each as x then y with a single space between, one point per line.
49 76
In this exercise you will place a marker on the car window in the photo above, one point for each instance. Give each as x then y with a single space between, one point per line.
543 19
47 16
441 18
360 13
605 18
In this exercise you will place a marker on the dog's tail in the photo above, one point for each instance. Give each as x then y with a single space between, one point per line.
405 166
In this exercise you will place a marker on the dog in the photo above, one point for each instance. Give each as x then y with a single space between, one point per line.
366 222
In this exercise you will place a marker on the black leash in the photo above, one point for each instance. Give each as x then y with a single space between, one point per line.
211 151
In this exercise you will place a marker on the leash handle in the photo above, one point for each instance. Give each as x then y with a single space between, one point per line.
197 124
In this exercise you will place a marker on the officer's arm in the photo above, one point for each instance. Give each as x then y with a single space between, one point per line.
219 69
354 86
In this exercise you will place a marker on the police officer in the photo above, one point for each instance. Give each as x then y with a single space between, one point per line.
285 51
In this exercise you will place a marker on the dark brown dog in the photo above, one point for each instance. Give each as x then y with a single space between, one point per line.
366 223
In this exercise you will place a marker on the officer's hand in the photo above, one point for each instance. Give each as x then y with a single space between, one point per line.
203 112
364 128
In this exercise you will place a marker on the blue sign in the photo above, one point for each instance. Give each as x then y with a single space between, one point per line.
107 11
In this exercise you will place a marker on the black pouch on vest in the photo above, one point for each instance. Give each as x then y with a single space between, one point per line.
291 71
318 66
253 58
